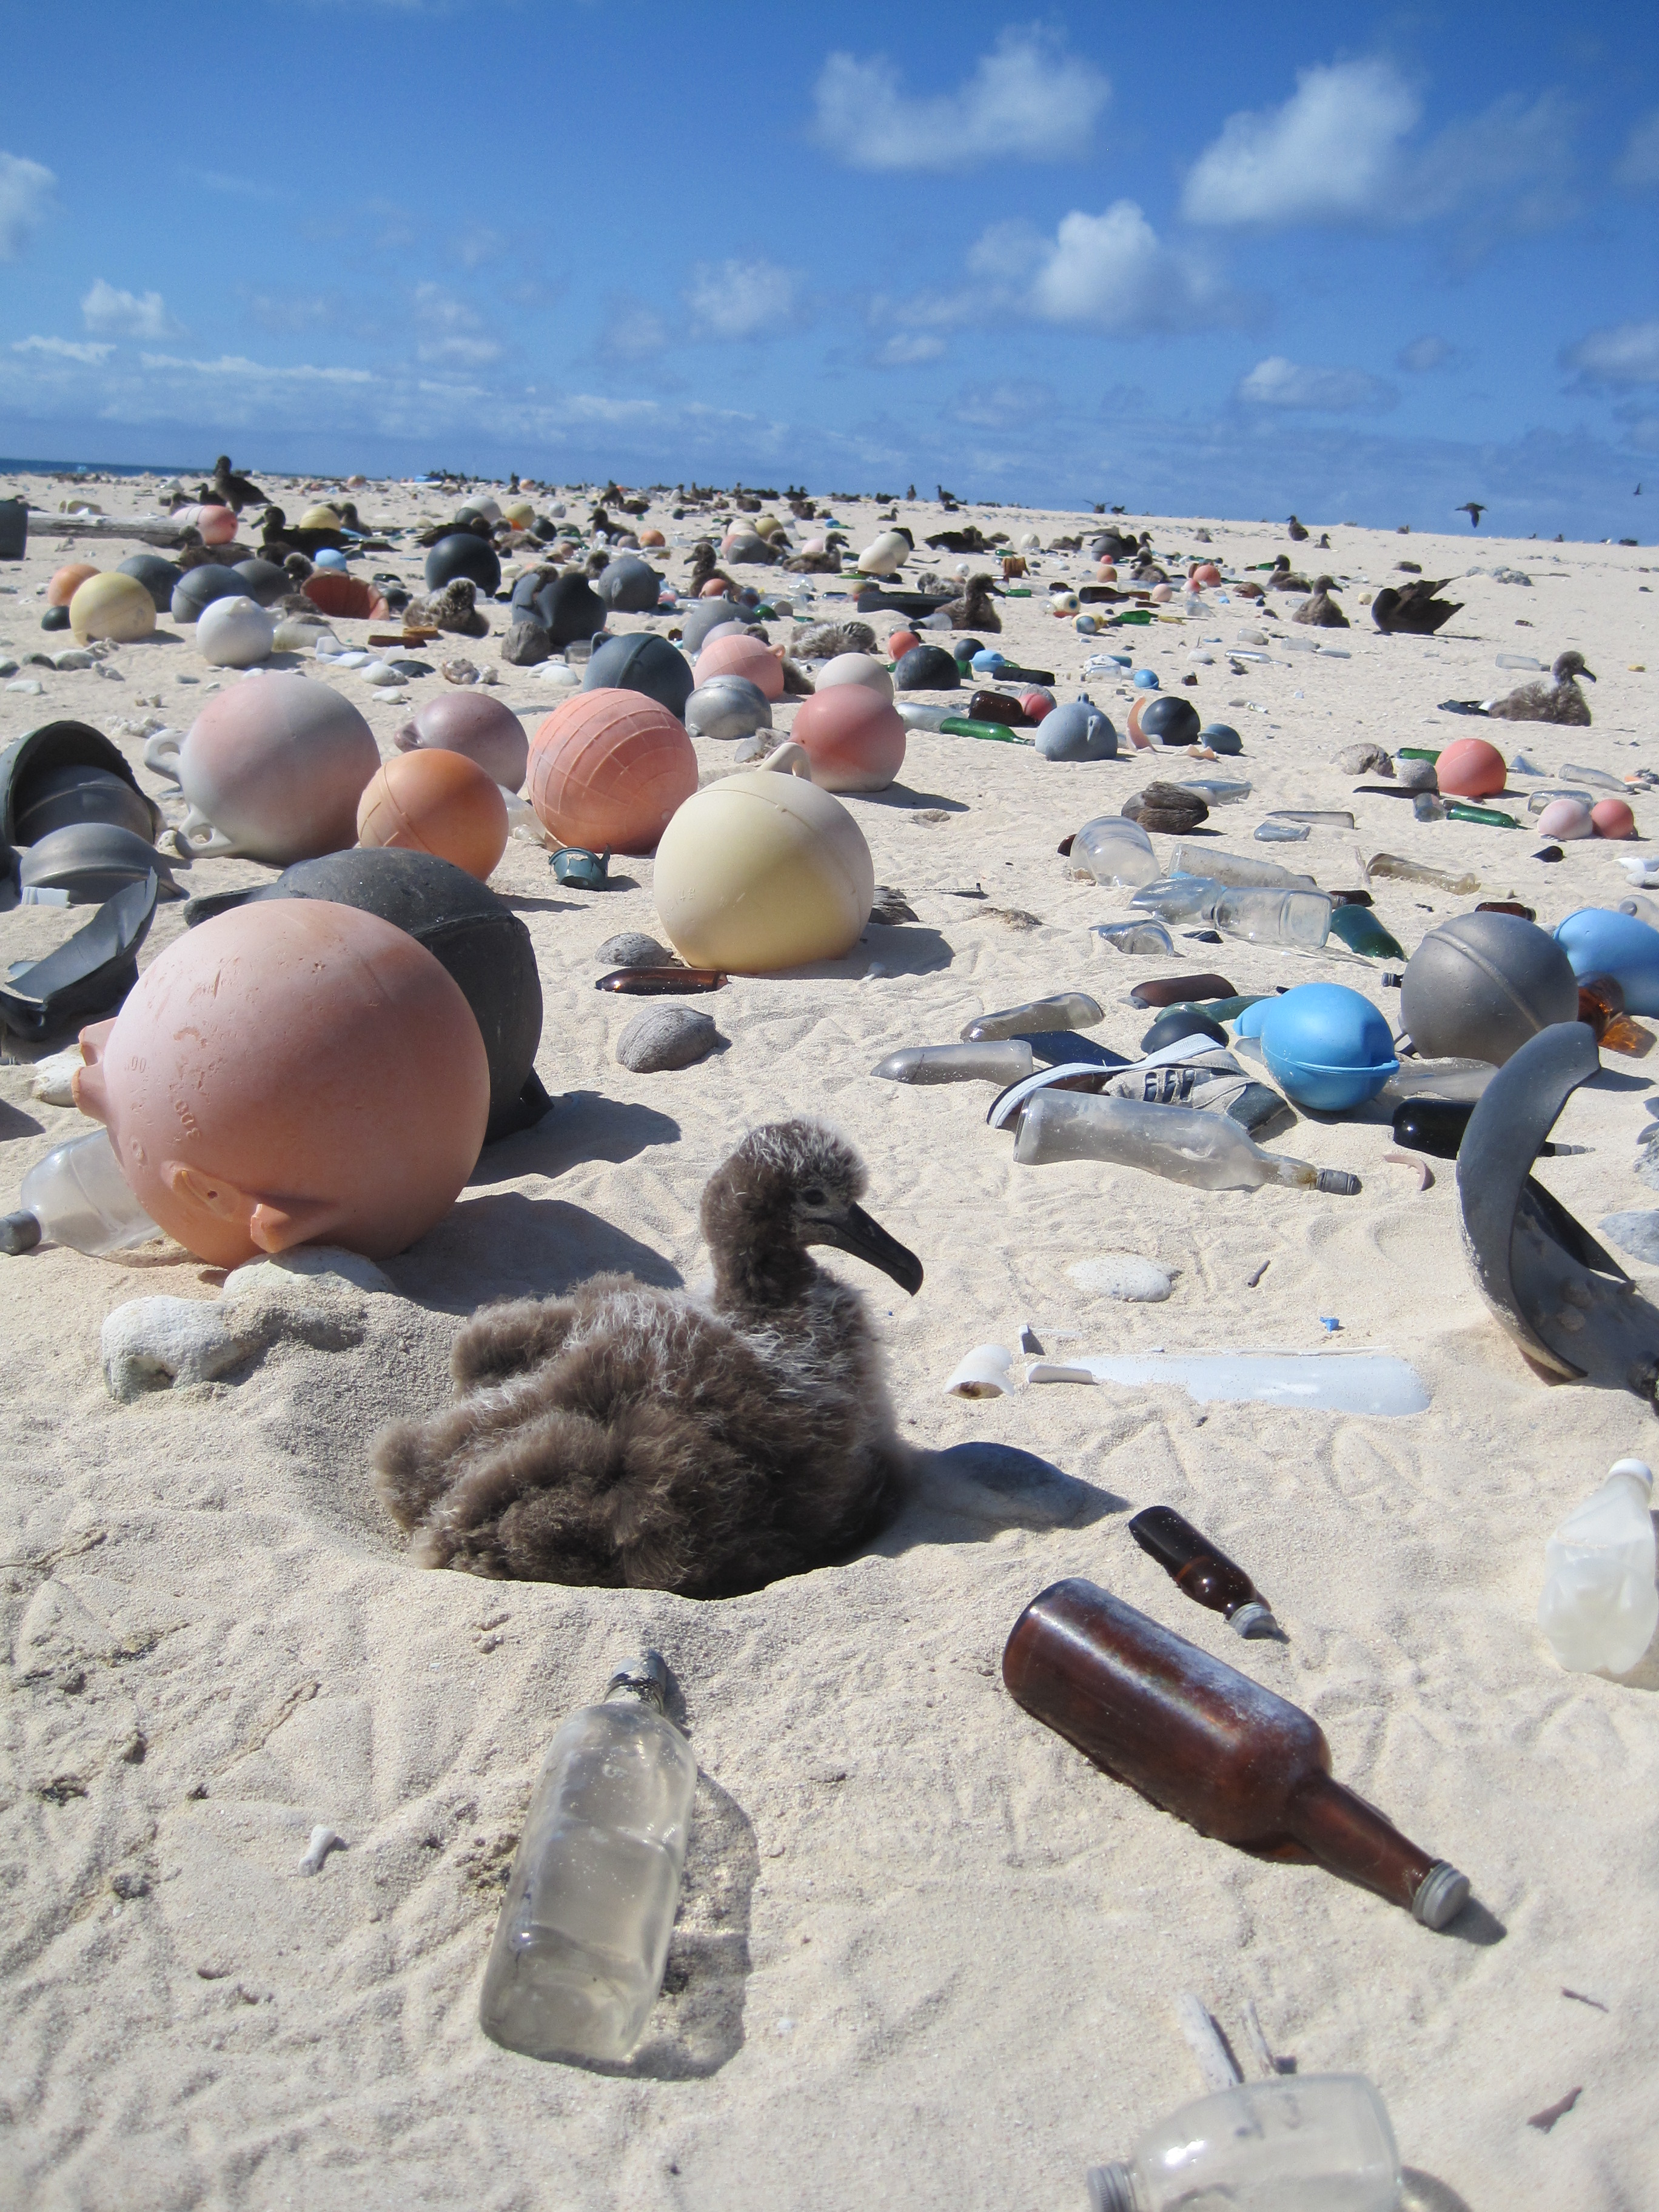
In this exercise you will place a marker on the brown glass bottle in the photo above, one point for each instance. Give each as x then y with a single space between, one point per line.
1209 1745
1602 1009
1202 1570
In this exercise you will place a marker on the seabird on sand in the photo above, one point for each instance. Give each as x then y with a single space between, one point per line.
1413 609
1558 701
1321 610
631 1436
1295 531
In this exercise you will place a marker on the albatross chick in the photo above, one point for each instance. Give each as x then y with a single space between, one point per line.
638 1437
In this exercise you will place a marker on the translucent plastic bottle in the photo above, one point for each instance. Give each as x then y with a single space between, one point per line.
583 1935
1002 1062
1114 850
1179 899
1269 916
1240 870
78 1196
1140 937
1066 1010
1600 1607
1209 1150
1319 2143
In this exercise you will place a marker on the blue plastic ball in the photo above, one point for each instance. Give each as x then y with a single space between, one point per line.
1598 942
990 661
1327 1049
329 557
1144 679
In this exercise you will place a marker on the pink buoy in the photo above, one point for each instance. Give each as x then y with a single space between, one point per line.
713 589
473 722
291 1072
1037 705
217 526
854 737
1470 768
744 655
1613 819
609 771
1567 818
273 768
1162 594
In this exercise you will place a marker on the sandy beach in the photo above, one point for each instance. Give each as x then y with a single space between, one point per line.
928 1956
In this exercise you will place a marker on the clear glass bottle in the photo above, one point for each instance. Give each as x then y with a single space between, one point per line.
1114 850
1600 1607
583 1933
1318 2143
1136 937
78 1196
1208 1149
1241 871
1179 899
1067 1010
1270 916
1001 1062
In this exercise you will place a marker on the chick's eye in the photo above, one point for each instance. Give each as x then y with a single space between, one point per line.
814 1197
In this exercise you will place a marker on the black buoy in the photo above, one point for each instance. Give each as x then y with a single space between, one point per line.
461 554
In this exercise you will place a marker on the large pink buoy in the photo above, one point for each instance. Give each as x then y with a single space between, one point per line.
609 770
1469 768
273 768
291 1072
474 722
1613 819
744 655
852 736
217 526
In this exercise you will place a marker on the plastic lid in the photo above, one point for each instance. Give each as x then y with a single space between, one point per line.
1637 1466
1255 1618
1112 2188
645 1678
1441 1895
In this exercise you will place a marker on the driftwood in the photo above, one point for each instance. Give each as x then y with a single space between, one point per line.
148 529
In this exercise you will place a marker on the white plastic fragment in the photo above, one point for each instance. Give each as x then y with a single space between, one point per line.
987 1372
324 1840
1331 1382
53 1076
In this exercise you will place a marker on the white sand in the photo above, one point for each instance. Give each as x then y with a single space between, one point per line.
928 1956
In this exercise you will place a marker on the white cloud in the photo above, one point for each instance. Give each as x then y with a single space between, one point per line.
127 314
64 349
633 330
1113 272
1625 353
1027 100
1424 354
1327 156
454 334
26 192
237 366
910 350
1640 163
1277 382
1337 152
740 299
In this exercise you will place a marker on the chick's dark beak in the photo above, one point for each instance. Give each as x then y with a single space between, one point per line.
855 1232
1589 673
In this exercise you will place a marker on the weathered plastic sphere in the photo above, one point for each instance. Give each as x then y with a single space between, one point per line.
1565 818
463 554
198 587
1079 731
319 518
278 764
234 634
1221 737
216 525
436 802
1471 769
854 737
330 556
927 668
291 1072
763 871
473 722
159 578
856 668
1480 985
628 586
744 655
1613 819
263 581
607 770
642 662
727 707
67 581
1169 720
114 606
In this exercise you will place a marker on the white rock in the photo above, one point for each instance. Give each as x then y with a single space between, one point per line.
322 1266
154 1344
51 1078
1121 1275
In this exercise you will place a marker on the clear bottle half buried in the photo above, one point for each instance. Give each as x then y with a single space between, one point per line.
1209 1150
1322 2143
583 1935
77 1196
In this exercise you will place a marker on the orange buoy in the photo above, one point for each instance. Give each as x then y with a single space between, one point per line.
436 802
1470 768
609 770
67 581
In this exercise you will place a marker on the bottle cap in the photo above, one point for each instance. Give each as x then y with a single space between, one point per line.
1441 1895
1255 1618
1112 2188
645 1678
1637 1466
18 1232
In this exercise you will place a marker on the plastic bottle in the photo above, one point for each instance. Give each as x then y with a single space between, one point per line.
1067 1010
1209 1745
1114 850
1275 832
1201 1571
1321 2143
1143 937
1001 1063
1208 1149
1238 869
583 1935
1418 871
1275 917
1179 899
1600 1607
78 1196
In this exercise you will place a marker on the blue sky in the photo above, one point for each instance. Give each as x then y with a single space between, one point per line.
1178 258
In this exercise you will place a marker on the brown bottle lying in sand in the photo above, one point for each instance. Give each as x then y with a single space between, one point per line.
1209 1745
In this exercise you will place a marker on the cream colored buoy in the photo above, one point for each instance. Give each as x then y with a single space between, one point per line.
112 606
764 871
